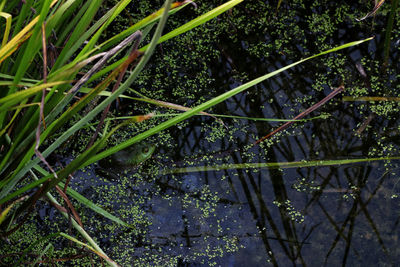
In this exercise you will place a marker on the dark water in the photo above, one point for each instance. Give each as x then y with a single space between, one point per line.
310 216
335 215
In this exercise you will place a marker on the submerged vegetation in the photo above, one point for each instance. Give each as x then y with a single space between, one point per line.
190 198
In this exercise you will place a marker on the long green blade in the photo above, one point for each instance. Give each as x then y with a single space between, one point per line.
211 103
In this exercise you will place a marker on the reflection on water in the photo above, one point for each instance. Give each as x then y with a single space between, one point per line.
332 215
315 216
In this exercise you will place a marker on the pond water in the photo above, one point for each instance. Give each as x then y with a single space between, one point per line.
345 214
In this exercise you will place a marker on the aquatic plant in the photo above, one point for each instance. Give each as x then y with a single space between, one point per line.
25 143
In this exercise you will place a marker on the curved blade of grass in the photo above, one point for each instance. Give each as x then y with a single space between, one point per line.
13 44
276 165
183 108
8 19
140 118
172 106
212 102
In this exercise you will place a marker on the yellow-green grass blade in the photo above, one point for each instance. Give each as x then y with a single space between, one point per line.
8 19
2 3
17 97
14 43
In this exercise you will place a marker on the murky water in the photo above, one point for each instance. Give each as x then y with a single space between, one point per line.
306 216
335 215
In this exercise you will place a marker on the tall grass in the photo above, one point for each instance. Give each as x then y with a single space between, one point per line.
39 89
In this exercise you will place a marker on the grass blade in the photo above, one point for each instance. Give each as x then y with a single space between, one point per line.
210 103
8 19
276 165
